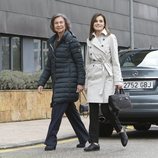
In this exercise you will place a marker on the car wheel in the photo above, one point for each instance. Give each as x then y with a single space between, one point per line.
105 130
142 127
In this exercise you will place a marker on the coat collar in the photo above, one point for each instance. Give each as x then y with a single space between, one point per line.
96 43
104 33
67 36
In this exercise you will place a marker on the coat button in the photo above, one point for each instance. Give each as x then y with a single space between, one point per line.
102 45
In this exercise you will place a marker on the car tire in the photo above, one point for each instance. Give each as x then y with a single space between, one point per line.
105 130
142 127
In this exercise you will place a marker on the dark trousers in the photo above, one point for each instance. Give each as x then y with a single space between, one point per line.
72 114
94 120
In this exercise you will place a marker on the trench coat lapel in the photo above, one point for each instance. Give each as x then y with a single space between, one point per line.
96 43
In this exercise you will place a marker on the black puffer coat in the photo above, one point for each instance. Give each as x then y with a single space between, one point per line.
65 66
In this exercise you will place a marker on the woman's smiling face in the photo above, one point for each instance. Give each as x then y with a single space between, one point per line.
99 24
59 25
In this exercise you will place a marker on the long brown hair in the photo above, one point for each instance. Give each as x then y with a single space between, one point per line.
67 22
92 23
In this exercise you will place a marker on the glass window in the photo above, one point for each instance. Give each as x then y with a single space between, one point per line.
16 53
143 58
44 52
150 60
37 54
83 49
4 53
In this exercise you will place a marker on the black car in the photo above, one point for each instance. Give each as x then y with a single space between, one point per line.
140 74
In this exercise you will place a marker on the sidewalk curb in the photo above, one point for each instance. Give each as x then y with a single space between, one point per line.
31 143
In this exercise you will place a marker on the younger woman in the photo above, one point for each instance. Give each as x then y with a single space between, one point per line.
103 75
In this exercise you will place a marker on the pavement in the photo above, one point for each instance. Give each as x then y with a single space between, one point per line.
17 134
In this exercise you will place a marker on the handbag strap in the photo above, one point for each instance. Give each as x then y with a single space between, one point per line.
84 95
119 91
122 91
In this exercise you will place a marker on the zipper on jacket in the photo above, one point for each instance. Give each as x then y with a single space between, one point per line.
53 51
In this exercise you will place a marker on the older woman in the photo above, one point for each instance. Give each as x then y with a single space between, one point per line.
65 67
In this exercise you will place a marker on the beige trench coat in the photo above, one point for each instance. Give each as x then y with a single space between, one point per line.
102 68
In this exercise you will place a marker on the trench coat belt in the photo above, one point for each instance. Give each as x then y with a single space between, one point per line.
103 75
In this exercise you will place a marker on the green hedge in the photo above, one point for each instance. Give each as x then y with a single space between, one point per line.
20 80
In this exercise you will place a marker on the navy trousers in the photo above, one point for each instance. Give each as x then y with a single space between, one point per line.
72 114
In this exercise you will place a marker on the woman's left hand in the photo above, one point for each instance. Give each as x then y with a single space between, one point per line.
79 88
119 86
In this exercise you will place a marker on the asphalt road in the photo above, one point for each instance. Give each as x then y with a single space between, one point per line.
141 145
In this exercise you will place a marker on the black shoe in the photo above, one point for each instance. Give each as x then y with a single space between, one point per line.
92 147
124 138
48 148
80 145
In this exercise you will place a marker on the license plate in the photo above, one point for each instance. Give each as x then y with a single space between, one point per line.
138 84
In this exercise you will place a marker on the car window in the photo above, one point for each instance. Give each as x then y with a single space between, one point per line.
139 59
150 60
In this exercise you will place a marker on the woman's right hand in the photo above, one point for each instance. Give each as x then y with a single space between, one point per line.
40 89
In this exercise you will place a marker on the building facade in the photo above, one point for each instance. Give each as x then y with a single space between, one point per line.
24 27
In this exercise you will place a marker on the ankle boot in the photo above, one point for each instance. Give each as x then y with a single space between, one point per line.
80 145
124 137
49 148
92 147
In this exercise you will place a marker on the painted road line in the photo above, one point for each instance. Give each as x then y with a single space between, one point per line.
35 146
128 128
